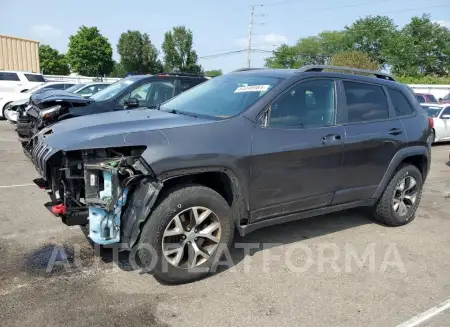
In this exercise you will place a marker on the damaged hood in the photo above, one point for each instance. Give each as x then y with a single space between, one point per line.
113 129
40 98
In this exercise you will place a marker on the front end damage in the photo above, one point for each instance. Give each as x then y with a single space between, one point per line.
110 190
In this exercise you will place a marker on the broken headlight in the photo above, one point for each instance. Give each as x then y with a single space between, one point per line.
50 112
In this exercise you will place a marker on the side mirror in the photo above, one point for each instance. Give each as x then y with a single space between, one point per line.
445 116
131 103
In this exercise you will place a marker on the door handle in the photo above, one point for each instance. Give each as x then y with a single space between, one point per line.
332 137
395 131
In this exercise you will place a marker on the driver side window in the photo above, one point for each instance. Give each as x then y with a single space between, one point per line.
308 104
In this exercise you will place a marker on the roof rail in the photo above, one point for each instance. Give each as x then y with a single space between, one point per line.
244 69
181 74
319 68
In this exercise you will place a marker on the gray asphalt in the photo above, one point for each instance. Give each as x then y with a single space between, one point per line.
409 274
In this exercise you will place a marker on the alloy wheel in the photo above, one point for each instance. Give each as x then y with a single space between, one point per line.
405 194
191 237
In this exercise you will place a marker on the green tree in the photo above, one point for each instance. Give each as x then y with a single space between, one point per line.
89 52
311 50
421 48
214 72
354 59
138 54
118 70
52 62
373 35
178 52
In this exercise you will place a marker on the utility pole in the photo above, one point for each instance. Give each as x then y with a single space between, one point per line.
250 31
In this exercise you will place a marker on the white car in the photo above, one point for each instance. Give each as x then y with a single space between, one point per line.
440 115
8 97
13 81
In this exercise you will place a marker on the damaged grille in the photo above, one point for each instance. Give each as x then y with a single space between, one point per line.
40 155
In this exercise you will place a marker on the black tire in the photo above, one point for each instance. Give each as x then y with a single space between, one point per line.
3 111
384 211
174 202
432 137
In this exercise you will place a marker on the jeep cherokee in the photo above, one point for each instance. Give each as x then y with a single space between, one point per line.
246 150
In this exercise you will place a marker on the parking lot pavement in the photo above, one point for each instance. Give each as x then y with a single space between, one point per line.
275 285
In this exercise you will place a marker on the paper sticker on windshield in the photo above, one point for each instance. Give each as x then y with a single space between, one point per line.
252 88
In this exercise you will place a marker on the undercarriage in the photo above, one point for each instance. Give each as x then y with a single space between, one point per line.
110 190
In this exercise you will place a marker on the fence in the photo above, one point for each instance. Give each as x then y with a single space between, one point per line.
80 79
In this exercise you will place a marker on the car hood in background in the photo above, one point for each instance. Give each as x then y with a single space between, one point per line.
41 98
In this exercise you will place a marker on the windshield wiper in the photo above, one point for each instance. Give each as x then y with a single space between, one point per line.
157 106
178 112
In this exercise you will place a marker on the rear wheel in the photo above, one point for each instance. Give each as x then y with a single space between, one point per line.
398 204
3 110
185 236
432 137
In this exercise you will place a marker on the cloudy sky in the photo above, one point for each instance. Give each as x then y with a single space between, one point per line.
219 26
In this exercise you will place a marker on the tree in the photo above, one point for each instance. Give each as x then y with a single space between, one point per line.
118 70
214 72
52 62
421 48
372 35
138 54
89 52
178 52
354 59
316 50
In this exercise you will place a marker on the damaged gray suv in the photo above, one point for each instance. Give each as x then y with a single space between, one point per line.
246 150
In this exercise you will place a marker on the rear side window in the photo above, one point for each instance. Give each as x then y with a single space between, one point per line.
432 98
365 102
187 84
55 87
401 104
420 98
9 77
35 78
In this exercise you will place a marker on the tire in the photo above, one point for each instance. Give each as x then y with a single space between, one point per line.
177 202
3 111
384 211
432 137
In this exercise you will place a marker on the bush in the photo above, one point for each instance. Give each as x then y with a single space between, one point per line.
423 80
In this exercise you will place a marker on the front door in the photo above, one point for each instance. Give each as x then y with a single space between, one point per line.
297 152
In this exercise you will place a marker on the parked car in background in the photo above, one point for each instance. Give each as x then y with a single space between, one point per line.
245 150
426 98
8 97
14 81
440 120
445 99
128 93
86 90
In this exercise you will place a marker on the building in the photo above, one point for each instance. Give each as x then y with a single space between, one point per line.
19 54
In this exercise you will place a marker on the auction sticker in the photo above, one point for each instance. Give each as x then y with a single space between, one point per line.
252 88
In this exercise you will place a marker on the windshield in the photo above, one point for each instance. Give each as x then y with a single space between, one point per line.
223 96
432 111
37 87
112 90
75 88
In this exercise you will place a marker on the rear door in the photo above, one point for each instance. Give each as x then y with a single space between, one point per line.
373 136
9 82
297 151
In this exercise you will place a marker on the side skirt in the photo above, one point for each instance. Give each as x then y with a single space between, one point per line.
243 230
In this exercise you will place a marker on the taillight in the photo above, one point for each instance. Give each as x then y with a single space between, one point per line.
431 122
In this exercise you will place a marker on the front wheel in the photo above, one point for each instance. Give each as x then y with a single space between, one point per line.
185 236
398 204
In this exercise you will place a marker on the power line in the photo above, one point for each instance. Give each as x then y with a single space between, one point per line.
222 54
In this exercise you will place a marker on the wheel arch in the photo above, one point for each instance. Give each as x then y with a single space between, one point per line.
221 179
418 156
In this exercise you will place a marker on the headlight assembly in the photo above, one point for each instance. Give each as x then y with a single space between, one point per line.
50 112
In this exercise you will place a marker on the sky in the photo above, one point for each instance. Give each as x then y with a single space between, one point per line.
218 26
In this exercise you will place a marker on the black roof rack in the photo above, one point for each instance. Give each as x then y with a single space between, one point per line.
319 68
245 69
180 74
